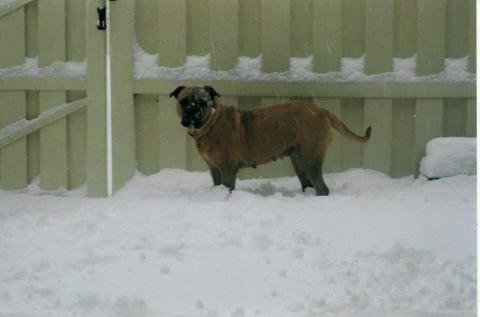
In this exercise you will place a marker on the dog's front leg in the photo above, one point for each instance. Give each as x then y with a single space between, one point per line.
216 176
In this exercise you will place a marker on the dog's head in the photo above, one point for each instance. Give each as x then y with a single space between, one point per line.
195 104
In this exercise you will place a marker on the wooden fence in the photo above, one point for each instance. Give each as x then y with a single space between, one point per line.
54 127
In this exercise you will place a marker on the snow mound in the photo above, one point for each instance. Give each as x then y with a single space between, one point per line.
446 157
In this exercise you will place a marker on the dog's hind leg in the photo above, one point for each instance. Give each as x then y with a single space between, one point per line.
316 176
302 177
229 177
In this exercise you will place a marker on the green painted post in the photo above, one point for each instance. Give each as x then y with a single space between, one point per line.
172 46
430 36
327 35
302 27
123 116
172 136
275 35
96 161
76 123
403 130
249 28
53 139
13 157
147 132
223 34
405 37
333 159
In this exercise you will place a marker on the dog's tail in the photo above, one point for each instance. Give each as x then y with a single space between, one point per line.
343 130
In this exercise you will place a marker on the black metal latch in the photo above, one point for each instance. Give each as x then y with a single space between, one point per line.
102 18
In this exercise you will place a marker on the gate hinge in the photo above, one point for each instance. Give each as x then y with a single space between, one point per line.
102 17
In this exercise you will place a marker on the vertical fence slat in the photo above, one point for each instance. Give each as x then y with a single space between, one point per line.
403 129
76 122
471 124
147 132
224 34
53 139
377 153
31 25
472 37
327 35
13 158
249 28
301 25
172 137
455 117
333 159
123 115
456 28
353 27
352 110
378 36
172 45
197 27
96 106
405 37
430 37
428 124
33 139
275 35
147 24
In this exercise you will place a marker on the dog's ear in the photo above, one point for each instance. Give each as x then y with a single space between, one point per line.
211 92
176 91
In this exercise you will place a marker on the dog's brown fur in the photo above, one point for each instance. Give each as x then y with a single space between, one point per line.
231 139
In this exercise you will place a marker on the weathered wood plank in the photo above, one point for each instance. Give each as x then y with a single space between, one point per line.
352 110
353 28
96 161
13 158
430 36
377 153
33 139
456 28
11 7
301 28
472 36
327 35
172 45
198 21
31 23
405 38
147 24
275 35
379 36
223 34
41 83
123 115
455 117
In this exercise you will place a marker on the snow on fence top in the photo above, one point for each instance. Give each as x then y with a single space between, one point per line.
446 157
57 69
352 70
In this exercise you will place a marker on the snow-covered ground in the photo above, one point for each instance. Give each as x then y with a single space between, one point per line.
173 245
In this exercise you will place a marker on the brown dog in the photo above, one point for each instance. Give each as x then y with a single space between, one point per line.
229 139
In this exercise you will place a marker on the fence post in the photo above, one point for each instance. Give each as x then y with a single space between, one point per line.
53 139
122 15
13 158
96 104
